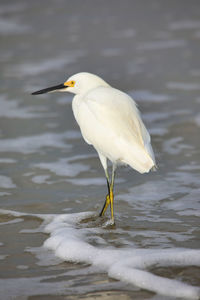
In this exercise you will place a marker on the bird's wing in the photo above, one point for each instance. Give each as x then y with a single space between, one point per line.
117 112
110 120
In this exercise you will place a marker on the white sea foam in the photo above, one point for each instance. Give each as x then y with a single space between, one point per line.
48 65
88 181
11 26
70 240
31 144
7 160
129 265
4 194
63 167
92 181
183 179
158 131
3 256
161 44
148 96
184 25
40 179
33 69
175 146
6 182
14 221
152 191
191 167
27 287
189 205
12 109
181 198
155 116
22 267
184 86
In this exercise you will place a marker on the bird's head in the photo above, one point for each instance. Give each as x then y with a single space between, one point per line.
79 83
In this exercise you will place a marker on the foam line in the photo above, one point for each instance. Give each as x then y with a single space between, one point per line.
70 241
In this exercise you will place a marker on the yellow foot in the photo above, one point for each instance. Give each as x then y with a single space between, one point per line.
109 223
107 202
112 221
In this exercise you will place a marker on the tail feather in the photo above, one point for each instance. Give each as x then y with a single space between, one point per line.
139 159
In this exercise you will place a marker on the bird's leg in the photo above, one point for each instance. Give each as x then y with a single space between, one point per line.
112 194
107 201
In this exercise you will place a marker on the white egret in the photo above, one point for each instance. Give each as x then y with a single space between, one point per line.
110 121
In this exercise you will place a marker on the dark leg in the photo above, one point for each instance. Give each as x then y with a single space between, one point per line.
107 201
112 194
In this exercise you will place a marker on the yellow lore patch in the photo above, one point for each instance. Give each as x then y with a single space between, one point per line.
70 83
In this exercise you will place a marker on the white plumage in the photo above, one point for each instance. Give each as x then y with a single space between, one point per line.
110 121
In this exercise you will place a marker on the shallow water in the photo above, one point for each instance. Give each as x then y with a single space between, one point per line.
49 175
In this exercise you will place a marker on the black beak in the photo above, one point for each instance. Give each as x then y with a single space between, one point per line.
50 89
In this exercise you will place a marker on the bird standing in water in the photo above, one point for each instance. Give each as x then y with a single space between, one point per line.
110 121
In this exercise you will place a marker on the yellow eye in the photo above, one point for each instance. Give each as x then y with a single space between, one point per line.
72 83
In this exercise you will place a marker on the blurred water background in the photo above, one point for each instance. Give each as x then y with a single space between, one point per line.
149 49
